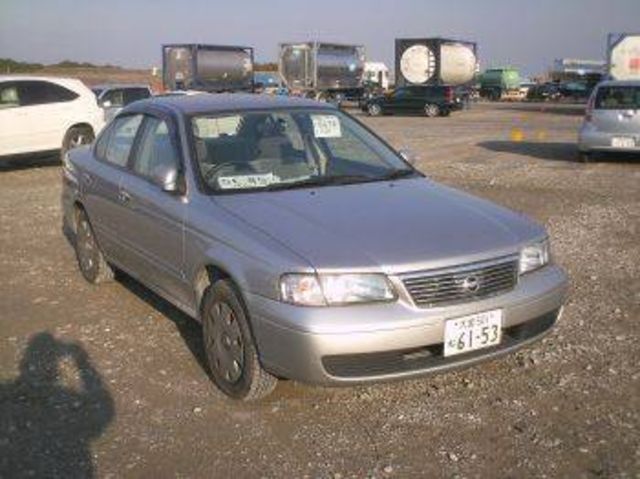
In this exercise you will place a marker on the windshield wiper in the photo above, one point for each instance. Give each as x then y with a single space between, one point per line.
397 174
321 181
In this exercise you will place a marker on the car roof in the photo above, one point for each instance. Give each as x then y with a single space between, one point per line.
223 102
73 84
106 86
620 83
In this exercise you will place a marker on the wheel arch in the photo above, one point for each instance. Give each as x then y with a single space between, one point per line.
82 124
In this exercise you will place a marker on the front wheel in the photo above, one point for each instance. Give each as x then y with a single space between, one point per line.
374 109
76 136
229 346
431 110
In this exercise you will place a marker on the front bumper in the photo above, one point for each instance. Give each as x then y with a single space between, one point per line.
366 343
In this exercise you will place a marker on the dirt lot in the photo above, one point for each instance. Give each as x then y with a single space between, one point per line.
110 379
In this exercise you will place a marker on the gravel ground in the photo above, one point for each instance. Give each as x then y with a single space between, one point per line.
109 380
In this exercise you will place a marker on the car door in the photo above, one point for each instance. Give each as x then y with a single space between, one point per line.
153 223
100 184
45 106
14 125
399 101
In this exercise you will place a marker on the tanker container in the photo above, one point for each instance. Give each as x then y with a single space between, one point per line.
435 61
210 68
623 56
327 70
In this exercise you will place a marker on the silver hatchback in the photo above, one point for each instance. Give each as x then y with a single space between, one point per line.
612 120
307 247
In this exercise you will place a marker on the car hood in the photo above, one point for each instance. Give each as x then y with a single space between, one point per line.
394 227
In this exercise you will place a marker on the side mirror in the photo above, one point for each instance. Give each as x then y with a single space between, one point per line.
408 155
106 104
166 177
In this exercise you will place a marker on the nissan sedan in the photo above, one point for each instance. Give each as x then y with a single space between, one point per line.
305 245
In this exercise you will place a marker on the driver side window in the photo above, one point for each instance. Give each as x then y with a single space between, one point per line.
155 151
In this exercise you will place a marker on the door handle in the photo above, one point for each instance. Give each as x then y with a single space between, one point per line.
124 197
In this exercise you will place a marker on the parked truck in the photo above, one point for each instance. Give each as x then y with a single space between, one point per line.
435 61
623 56
210 68
501 84
321 70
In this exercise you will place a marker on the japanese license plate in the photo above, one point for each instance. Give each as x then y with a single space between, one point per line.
477 331
623 142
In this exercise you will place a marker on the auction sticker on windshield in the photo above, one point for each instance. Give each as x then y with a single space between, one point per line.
469 333
247 181
326 126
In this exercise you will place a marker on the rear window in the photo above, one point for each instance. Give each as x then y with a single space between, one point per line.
618 98
35 92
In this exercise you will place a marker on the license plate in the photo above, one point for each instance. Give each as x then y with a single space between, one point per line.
469 333
623 142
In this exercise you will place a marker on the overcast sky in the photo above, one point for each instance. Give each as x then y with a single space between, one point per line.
529 34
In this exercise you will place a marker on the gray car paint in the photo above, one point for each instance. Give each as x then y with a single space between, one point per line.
392 226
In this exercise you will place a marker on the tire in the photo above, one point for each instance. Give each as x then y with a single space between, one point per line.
74 137
431 110
91 262
586 157
374 109
230 349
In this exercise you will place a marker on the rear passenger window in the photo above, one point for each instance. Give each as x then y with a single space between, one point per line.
120 141
43 92
135 94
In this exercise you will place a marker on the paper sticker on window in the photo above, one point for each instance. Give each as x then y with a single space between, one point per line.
326 126
247 181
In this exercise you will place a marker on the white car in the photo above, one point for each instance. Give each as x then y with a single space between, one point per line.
42 114
612 120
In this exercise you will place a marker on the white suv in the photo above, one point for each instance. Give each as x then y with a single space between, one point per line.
41 114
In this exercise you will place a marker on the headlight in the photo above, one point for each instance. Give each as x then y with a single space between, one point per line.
534 256
335 289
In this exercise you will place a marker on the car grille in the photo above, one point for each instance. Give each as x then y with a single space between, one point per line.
463 283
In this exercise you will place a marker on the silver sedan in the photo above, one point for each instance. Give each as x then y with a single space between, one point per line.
308 248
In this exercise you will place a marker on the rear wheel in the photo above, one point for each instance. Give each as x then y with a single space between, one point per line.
76 136
91 262
586 157
431 110
230 349
374 109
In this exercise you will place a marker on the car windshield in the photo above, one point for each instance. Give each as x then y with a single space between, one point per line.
286 149
618 98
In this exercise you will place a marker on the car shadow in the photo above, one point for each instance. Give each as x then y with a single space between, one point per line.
535 149
569 109
46 424
14 163
555 151
190 330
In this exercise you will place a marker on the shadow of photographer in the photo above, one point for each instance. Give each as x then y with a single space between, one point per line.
46 426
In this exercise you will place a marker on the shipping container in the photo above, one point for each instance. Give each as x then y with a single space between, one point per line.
316 67
435 61
623 56
211 68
